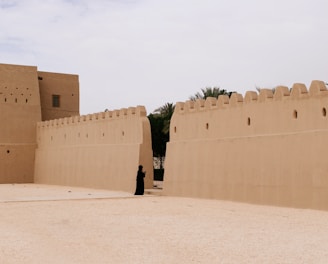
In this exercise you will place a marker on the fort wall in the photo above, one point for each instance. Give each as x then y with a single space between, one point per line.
101 150
20 111
267 148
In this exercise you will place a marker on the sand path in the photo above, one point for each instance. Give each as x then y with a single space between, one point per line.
52 224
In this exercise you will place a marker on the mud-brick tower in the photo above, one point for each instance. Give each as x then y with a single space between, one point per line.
28 96
19 112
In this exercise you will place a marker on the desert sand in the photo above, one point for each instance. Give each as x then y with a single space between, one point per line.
55 224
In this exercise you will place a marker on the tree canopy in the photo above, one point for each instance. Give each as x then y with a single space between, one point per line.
210 92
160 129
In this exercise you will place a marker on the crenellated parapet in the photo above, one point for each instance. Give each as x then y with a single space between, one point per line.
280 93
255 113
109 127
130 112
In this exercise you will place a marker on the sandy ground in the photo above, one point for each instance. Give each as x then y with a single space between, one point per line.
52 224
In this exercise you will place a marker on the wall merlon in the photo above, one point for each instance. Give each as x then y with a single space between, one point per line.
200 104
281 92
131 111
265 95
223 101
189 106
179 107
123 112
141 111
251 96
299 91
210 103
317 87
236 99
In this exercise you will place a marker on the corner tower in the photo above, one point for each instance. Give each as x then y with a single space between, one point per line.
19 112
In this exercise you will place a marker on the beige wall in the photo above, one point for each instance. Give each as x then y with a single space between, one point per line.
64 85
19 113
267 148
100 150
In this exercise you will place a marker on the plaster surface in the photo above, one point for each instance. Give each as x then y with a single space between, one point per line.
267 148
39 224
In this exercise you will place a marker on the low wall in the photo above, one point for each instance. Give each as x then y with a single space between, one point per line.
267 148
101 150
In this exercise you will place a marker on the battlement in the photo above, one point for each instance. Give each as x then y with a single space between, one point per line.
299 90
110 127
138 111
267 112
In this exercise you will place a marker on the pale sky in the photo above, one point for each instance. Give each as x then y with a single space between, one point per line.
153 52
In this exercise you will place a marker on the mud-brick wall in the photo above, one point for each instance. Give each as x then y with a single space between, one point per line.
268 148
19 112
101 150
66 88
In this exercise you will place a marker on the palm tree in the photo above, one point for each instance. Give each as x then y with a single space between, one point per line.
160 130
210 92
166 112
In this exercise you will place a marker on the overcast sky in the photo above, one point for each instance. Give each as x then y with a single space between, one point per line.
152 52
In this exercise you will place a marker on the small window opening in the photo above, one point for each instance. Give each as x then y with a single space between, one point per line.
26 100
122 133
55 100
175 129
207 126
8 151
324 111
295 114
5 99
15 100
248 121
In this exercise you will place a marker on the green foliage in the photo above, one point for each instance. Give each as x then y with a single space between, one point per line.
159 139
210 92
160 130
166 112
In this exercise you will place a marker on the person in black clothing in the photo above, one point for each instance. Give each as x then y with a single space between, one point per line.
140 181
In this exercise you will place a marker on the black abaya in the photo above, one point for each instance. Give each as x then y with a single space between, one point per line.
140 182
